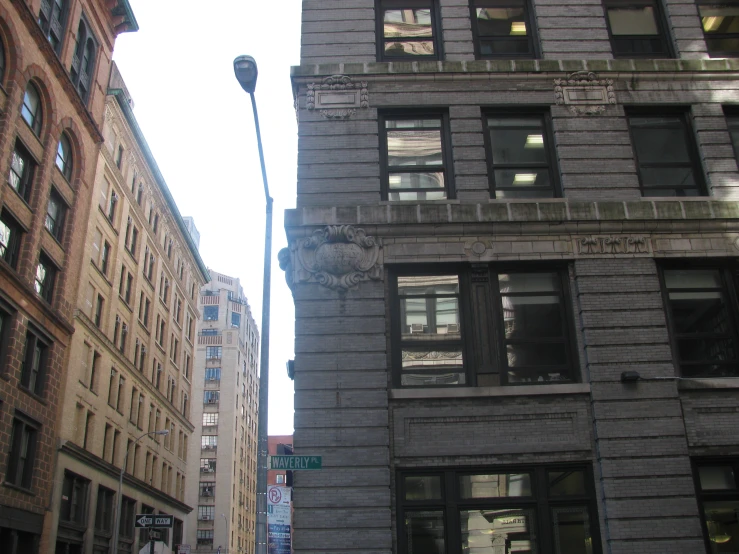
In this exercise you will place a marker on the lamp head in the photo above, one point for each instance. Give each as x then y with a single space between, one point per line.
245 68
162 432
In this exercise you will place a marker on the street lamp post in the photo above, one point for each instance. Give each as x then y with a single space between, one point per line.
120 486
245 68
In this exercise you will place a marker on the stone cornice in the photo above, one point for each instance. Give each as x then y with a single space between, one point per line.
112 471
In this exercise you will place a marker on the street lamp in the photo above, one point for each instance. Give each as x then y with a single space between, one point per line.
228 537
245 69
120 486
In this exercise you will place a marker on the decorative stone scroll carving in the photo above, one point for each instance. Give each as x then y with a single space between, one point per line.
337 97
338 257
584 93
613 245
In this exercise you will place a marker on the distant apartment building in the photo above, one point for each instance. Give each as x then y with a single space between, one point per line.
225 409
131 356
54 64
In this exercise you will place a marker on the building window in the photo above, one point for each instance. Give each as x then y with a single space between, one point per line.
636 28
516 510
210 419
22 452
99 305
718 497
10 238
105 258
211 397
209 442
31 109
22 168
3 61
45 276
415 157
503 28
52 18
207 488
720 22
6 320
666 155
119 156
56 211
83 62
207 465
64 156
210 332
522 316
279 479
210 313
213 352
104 510
702 307
206 513
205 537
409 30
520 157
235 319
212 373
35 360
74 499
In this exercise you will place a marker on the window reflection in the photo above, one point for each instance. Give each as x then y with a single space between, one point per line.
721 28
424 532
408 32
495 485
498 530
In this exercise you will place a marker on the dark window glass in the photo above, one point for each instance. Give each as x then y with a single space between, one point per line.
104 510
235 319
415 158
718 498
666 158
52 18
74 499
45 277
701 303
636 28
35 360
407 29
10 238
210 313
520 157
22 454
502 28
2 61
22 168
31 109
497 511
522 317
55 214
83 61
64 157
422 487
720 22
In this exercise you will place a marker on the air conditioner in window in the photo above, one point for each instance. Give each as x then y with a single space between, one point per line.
212 401
416 327
205 518
453 328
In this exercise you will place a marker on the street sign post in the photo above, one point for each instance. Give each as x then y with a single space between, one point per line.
293 463
145 521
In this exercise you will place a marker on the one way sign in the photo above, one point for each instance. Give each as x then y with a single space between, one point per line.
157 522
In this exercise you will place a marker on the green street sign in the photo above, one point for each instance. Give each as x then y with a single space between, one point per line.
295 462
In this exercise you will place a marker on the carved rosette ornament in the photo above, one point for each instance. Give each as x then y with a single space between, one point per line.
338 257
584 93
337 97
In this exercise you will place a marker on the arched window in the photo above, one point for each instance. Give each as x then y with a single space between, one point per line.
64 156
2 61
31 110
83 62
51 19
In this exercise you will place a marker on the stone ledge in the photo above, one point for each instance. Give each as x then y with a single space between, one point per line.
708 384
478 392
516 66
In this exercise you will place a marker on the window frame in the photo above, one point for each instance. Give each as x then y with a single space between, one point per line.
34 380
45 288
729 273
436 29
447 167
707 37
712 495
550 148
36 121
12 249
540 502
659 19
691 145
487 312
82 78
77 517
28 174
65 155
532 36
50 20
16 475
57 227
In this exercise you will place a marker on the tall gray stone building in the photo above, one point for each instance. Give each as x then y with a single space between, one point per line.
514 266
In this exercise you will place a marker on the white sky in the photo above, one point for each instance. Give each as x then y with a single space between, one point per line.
198 122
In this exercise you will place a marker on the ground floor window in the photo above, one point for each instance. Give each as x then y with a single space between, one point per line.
718 497
522 510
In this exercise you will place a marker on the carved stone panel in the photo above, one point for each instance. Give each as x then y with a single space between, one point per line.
584 93
338 257
612 245
337 97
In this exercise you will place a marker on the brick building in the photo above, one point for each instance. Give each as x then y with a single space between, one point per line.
514 266
55 60
132 353
222 457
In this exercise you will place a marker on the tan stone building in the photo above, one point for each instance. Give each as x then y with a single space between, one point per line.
55 59
132 353
225 408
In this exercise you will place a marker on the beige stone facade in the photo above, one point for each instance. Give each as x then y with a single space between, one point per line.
131 356
222 487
